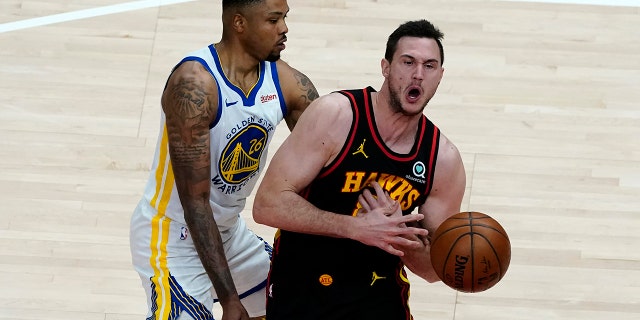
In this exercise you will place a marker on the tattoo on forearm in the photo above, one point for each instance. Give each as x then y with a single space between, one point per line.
209 246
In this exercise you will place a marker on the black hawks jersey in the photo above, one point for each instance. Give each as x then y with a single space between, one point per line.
317 277
365 158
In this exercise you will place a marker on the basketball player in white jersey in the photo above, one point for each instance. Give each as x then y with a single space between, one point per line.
221 105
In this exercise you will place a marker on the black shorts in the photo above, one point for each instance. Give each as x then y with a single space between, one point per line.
338 295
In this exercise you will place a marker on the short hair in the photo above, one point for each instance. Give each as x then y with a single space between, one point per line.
238 3
419 29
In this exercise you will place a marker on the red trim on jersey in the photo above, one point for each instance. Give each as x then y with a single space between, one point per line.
404 290
434 150
349 143
381 145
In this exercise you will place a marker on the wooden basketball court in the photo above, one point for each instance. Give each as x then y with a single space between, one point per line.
542 99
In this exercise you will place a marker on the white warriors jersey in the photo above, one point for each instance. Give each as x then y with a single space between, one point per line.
240 134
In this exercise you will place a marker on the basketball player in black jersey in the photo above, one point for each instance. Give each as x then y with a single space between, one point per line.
341 249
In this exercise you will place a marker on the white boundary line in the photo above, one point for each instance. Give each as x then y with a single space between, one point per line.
86 13
614 3
142 4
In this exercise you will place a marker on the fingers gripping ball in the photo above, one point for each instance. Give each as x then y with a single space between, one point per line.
470 252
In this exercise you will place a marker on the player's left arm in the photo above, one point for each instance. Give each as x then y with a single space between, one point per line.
298 91
444 201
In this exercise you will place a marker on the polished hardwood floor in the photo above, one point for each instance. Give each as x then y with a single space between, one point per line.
542 99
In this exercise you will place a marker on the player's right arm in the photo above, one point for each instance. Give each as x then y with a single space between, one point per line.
190 103
445 199
314 142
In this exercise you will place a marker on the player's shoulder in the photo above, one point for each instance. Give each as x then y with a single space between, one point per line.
299 91
285 70
333 106
193 77
334 100
447 146
448 153
283 66
192 70
329 116
290 76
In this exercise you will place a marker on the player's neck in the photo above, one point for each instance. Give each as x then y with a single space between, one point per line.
238 66
398 131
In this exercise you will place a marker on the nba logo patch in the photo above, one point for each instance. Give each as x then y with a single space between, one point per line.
184 232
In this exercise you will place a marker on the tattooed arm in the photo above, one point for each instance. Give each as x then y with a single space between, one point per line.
298 90
190 105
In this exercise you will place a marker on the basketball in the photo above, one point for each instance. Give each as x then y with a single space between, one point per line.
470 252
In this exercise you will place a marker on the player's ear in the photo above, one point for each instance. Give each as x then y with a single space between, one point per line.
239 22
384 65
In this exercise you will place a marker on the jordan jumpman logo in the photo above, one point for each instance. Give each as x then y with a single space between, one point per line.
375 278
361 149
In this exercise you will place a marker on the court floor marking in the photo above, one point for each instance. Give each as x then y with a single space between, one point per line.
86 13
143 4
613 3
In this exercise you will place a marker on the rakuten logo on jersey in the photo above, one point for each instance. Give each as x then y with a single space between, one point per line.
267 98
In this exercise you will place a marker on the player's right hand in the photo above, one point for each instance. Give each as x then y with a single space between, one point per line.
234 310
382 224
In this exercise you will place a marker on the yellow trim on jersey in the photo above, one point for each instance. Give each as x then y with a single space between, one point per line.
247 94
163 157
224 74
405 279
160 231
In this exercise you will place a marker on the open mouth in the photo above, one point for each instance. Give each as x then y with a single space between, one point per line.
413 94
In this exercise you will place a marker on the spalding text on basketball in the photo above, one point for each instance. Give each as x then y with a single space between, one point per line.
461 265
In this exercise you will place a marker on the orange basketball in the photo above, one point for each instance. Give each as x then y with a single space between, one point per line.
470 252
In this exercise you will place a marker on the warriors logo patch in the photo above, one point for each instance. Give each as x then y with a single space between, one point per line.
241 157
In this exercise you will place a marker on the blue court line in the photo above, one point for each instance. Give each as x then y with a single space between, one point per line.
86 13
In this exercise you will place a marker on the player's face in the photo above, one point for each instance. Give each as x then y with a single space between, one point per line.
267 29
413 75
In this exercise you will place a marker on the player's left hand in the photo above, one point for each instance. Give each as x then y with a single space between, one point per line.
382 211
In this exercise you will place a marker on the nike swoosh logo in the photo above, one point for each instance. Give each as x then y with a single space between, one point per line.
229 104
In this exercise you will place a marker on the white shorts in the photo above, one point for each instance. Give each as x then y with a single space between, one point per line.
172 274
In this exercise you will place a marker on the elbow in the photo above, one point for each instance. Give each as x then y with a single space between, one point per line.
270 205
259 211
256 212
